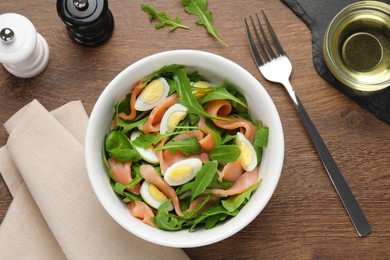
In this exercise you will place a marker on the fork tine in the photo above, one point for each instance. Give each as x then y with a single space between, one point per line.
273 35
263 50
266 41
255 53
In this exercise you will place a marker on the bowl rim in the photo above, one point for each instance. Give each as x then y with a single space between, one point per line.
194 239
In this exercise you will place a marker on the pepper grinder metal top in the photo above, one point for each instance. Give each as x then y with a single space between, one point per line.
23 52
89 22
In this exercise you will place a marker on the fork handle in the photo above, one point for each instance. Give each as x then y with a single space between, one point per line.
352 207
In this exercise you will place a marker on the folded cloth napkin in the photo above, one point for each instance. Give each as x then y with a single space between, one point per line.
54 213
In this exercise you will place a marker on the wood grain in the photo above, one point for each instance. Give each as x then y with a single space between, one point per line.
304 219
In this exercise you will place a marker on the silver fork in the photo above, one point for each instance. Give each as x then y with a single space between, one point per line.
275 66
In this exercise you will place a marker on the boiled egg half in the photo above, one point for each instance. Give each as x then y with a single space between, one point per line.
172 118
182 171
153 196
248 157
146 153
152 95
202 88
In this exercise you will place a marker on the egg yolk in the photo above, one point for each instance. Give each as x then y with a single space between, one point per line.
156 193
153 91
246 156
181 173
174 119
202 88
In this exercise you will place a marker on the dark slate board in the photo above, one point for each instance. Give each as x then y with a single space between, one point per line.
317 14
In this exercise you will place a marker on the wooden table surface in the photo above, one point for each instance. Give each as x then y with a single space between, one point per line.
305 218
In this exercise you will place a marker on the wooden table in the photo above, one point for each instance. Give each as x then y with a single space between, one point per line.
305 218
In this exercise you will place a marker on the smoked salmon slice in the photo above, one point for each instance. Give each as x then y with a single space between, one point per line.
137 89
222 108
232 171
142 211
247 180
152 125
122 174
151 176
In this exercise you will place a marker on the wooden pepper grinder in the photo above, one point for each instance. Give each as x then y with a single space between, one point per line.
89 22
23 52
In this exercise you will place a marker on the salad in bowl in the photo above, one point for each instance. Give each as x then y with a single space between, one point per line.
184 148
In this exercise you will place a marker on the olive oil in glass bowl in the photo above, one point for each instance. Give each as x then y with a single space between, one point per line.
357 46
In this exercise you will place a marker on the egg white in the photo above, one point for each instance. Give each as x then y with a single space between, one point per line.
182 171
143 102
147 154
164 125
149 199
248 157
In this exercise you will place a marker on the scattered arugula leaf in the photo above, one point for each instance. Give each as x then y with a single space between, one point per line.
126 126
104 153
187 99
213 211
225 153
261 141
191 214
119 188
145 140
237 201
163 19
203 178
229 139
118 146
199 8
224 185
166 221
221 93
166 71
187 146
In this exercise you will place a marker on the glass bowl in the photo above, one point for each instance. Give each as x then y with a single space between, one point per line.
357 46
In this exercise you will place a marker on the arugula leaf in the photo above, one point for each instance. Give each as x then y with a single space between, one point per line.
229 139
150 139
131 197
163 19
213 211
106 163
119 147
190 214
225 153
198 8
240 110
203 178
261 140
166 72
187 146
123 106
120 189
221 93
224 185
237 201
126 126
137 176
167 221
186 97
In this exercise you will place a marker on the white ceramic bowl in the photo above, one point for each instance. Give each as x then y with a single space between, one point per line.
216 69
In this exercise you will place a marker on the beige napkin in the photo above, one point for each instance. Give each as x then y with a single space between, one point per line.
54 213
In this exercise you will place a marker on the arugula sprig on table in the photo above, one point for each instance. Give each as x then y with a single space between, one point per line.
193 7
163 18
199 8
